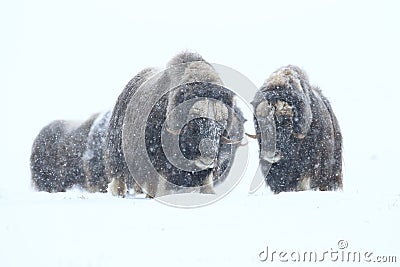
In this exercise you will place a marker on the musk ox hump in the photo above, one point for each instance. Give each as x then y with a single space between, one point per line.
289 77
184 57
289 87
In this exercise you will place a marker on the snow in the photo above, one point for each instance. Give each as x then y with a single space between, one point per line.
55 67
82 229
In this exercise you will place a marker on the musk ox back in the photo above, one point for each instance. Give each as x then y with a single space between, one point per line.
308 139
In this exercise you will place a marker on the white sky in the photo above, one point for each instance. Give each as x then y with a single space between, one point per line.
69 59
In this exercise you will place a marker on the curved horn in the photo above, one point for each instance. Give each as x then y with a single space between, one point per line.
174 132
228 141
253 136
265 126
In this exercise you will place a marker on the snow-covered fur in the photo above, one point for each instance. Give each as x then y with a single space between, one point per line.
308 137
57 155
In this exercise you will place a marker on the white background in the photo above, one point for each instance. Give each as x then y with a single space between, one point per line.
69 59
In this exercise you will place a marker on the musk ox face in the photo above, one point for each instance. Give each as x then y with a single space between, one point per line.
201 118
199 141
207 119
308 150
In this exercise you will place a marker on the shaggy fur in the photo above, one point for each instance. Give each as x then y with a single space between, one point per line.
56 159
116 167
308 138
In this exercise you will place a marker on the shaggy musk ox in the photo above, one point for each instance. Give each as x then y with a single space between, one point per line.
93 154
308 138
57 155
208 139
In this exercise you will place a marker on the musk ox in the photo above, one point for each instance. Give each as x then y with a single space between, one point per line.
308 153
57 155
208 138
100 153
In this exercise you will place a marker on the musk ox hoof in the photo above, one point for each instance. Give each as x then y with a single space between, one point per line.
117 188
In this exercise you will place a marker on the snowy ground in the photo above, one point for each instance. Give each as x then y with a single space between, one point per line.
81 229
58 56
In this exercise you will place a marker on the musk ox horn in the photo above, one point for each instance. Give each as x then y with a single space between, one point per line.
266 131
253 136
174 132
229 141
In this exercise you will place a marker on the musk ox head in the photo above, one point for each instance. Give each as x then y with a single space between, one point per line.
208 133
307 151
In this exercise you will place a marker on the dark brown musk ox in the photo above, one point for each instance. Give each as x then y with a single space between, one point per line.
68 153
208 139
308 145
57 155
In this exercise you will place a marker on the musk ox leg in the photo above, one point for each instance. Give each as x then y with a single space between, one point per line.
161 189
136 188
207 187
117 187
304 183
